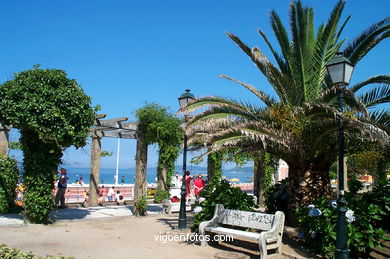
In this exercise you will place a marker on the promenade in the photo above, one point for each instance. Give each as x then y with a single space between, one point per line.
109 232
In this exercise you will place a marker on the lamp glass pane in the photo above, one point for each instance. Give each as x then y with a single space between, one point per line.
183 102
336 73
348 73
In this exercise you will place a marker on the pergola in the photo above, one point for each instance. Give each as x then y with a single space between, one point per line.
113 128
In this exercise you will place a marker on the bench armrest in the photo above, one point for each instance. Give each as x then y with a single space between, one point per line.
212 222
275 232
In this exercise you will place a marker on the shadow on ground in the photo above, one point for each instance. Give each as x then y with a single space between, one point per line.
69 214
173 220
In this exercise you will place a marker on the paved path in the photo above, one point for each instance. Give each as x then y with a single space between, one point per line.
82 213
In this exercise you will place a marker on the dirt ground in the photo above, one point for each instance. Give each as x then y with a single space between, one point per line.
125 237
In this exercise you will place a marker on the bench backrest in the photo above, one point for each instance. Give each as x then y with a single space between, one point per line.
253 220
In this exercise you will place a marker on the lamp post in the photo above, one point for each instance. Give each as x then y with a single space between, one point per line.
340 70
184 99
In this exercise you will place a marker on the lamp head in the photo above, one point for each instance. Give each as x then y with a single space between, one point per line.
340 69
186 98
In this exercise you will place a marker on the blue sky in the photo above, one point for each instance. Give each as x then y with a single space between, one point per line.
126 53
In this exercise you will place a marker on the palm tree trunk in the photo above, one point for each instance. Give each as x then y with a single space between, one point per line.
305 185
259 177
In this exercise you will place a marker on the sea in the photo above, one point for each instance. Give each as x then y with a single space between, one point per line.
107 175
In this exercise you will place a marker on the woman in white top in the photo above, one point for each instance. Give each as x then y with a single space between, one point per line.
111 194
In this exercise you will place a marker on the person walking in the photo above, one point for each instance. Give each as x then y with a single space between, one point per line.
61 189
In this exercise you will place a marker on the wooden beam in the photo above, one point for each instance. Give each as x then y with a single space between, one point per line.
101 116
112 123
119 134
129 125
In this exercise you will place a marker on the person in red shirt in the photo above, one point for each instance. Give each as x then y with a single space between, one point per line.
199 185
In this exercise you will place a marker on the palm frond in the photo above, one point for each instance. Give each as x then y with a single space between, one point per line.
282 63
343 26
326 46
273 75
267 100
381 118
377 95
358 48
221 112
209 101
369 132
381 79
281 35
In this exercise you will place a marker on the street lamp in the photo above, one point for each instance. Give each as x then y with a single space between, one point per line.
340 71
184 99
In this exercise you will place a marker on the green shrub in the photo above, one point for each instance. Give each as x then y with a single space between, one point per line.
220 193
9 253
354 185
379 196
161 195
366 229
318 232
140 206
9 175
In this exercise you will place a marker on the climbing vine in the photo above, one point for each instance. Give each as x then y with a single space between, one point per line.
162 127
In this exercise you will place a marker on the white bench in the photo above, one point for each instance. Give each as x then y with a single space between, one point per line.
271 226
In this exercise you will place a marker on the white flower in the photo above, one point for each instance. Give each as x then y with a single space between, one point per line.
333 203
197 209
313 234
315 212
311 206
349 215
201 199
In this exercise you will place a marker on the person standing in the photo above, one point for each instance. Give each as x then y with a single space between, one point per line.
111 194
188 180
61 188
199 185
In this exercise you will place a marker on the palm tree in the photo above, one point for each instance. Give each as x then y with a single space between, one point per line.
299 127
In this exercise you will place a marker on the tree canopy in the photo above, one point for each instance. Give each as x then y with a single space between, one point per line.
48 103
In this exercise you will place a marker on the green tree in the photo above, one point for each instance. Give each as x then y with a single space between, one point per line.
161 127
52 113
300 126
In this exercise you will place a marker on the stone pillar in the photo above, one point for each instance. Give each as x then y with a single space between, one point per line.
4 137
140 187
95 169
